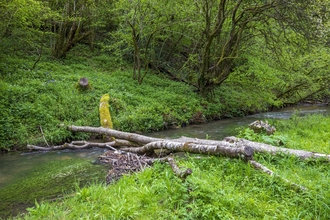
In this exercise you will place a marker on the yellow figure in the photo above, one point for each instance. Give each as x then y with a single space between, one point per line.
105 118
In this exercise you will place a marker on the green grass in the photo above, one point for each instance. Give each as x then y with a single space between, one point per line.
219 188
47 98
309 133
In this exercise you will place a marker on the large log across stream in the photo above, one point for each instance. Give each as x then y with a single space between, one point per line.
142 145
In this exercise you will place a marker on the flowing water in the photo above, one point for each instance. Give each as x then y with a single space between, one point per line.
217 130
15 168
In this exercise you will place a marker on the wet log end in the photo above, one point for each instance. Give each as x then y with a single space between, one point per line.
247 153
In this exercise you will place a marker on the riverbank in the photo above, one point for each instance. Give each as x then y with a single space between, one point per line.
38 103
219 187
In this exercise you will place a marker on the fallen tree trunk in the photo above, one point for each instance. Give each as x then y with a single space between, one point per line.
230 146
134 143
225 149
266 148
140 139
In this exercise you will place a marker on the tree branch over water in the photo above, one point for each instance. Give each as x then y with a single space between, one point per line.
139 144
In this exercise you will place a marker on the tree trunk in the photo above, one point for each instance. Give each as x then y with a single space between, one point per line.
231 146
128 143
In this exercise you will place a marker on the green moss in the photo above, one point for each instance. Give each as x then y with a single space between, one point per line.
105 118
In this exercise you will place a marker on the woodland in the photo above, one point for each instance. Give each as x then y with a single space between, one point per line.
167 64
200 43
228 58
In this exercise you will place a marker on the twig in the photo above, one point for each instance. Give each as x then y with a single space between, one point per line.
136 156
43 136
179 173
264 169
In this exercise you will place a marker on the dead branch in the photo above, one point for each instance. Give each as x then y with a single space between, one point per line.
226 150
139 139
264 169
182 174
78 145
266 148
230 146
123 161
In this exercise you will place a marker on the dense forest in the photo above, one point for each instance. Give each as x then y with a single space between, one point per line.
240 56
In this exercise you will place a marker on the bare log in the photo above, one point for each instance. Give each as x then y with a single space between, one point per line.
134 143
78 145
226 149
260 126
182 174
140 139
266 148
230 146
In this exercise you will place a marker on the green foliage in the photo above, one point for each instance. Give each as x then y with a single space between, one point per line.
46 98
309 133
219 188
274 139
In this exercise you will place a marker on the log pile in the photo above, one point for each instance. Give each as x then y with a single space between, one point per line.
123 163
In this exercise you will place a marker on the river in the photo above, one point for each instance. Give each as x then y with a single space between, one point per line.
16 167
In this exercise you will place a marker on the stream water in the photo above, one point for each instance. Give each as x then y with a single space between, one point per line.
16 167
217 130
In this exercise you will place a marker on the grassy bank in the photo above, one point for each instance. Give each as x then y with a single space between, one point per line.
219 188
46 99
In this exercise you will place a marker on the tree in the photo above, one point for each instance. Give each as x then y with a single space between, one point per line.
23 25
142 30
74 24
206 37
228 27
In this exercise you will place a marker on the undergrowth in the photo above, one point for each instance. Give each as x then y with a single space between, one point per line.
219 188
38 104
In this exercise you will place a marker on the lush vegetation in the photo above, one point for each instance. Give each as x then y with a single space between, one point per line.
219 188
298 133
47 98
167 64
163 64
